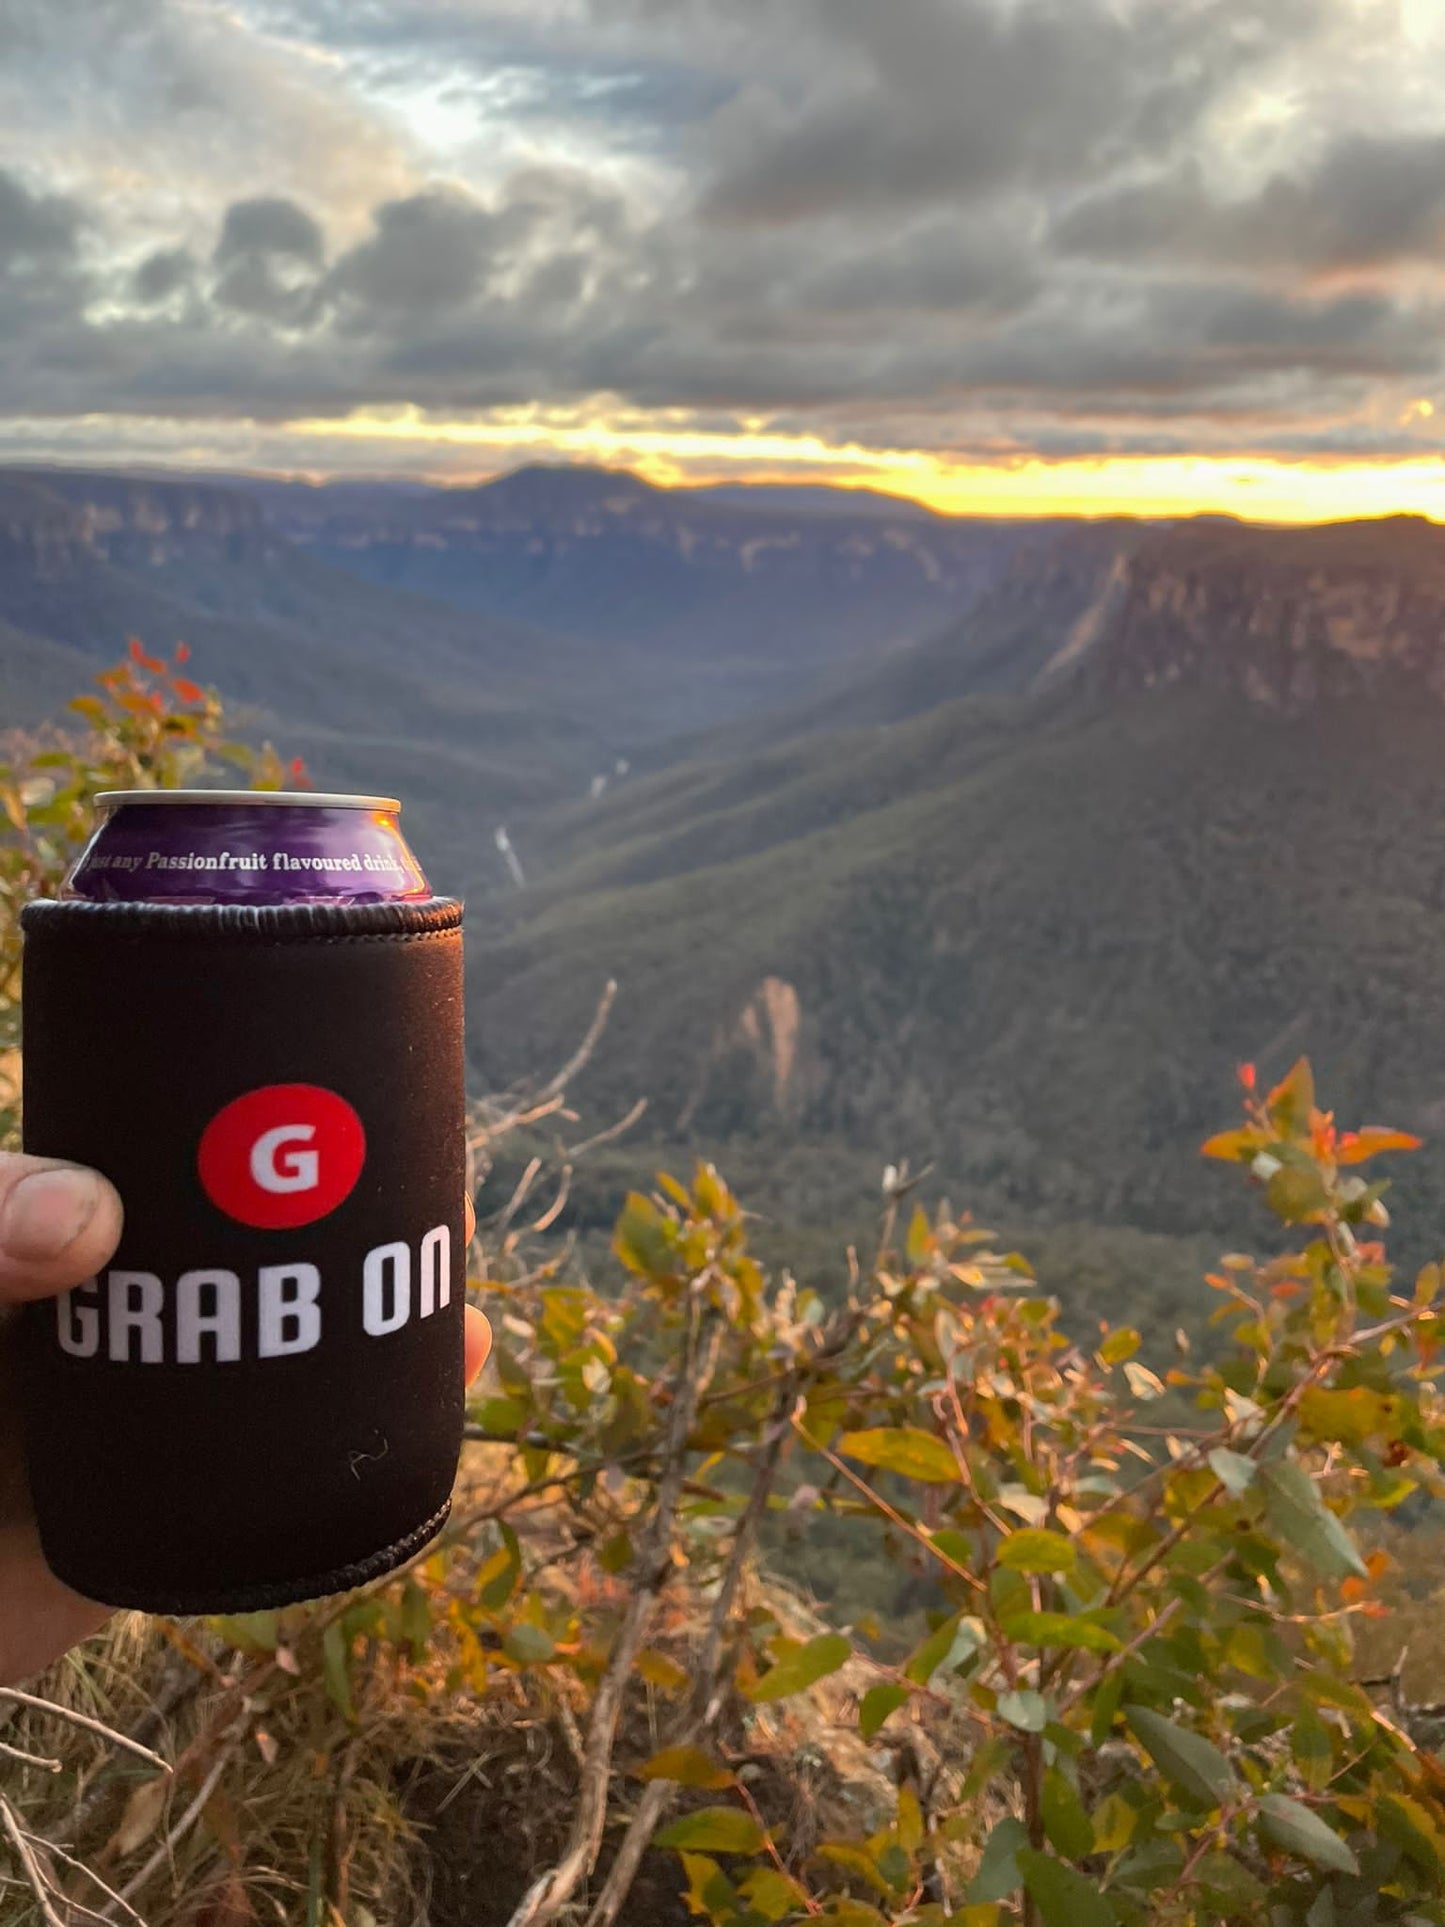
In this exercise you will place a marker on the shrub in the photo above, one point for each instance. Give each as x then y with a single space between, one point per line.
1132 1697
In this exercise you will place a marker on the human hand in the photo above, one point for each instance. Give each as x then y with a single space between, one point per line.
59 1225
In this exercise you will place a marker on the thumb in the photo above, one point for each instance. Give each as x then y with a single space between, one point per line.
59 1223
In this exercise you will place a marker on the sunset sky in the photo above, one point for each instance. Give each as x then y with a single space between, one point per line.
1017 256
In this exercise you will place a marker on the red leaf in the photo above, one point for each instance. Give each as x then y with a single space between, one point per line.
183 652
188 691
1246 1075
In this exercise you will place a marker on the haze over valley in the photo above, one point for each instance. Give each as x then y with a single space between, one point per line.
993 845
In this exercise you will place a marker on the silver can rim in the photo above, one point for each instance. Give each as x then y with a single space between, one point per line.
249 799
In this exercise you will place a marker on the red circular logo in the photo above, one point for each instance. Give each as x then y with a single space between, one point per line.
282 1156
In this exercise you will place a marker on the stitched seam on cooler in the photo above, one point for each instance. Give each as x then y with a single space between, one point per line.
321 1585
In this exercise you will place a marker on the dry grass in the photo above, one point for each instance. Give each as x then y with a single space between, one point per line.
438 1801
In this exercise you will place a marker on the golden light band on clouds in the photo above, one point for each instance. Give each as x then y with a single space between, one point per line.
1254 487
672 449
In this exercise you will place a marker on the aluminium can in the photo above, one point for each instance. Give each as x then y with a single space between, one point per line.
246 1010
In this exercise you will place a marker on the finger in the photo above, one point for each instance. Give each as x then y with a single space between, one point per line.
478 1342
59 1223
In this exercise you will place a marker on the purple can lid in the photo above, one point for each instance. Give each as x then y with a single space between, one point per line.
246 846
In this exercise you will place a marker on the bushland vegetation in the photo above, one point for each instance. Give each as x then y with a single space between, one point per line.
1134 1647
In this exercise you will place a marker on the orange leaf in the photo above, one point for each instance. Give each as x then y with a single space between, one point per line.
1355 1146
188 691
1246 1076
183 652
1236 1146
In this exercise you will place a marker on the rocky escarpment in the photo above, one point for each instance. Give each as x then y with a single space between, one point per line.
53 522
1282 617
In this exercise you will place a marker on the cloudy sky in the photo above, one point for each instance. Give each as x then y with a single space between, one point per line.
1000 253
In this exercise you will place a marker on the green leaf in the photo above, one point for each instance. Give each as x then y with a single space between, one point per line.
805 1668
998 1873
1233 1470
858 1860
1296 1195
714 1830
1229 1884
1064 1898
843 1912
414 1620
772 1894
878 1703
336 1670
1065 1821
1024 1709
686 1766
1036 1550
249 1632
905 1450
1061 1629
924 1662
1292 1828
1292 1099
1187 1760
1302 1519
1118 1346
529 1645
642 1238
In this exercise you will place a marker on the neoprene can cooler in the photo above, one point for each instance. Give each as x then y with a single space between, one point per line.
247 1012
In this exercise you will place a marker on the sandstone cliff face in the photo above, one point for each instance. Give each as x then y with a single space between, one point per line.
1279 617
53 523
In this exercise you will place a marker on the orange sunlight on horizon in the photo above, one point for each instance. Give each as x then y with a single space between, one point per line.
1254 487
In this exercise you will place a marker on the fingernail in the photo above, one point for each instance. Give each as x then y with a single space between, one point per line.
46 1213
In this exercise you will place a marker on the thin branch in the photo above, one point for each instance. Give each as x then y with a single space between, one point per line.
83 1720
550 1893
177 1833
556 1085
613 1131
704 1705
90 1874
29 1866
30 1759
880 1504
555 1209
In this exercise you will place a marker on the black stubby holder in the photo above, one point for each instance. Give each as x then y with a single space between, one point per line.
279 1416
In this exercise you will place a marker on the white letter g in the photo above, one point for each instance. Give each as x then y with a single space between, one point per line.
297 1171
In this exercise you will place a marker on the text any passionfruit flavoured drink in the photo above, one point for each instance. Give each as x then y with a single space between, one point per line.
246 1010
243 846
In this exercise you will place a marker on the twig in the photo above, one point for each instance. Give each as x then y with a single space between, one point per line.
29 1759
555 1086
704 1705
613 1131
83 1720
29 1866
548 1894
177 1833
90 1874
904 1525
555 1209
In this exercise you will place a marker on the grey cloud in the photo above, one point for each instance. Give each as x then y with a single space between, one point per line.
1370 199
162 274
270 226
268 261
427 252
930 222
948 99
35 228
